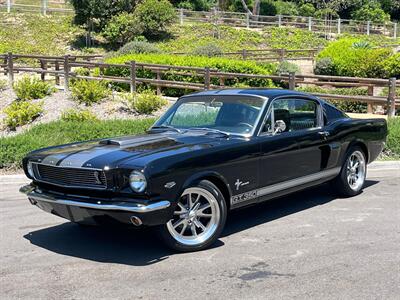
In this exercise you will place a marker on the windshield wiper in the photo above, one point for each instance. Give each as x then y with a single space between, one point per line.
213 130
166 127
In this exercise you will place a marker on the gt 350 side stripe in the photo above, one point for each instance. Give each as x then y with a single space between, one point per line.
283 185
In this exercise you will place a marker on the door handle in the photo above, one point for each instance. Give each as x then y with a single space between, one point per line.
324 134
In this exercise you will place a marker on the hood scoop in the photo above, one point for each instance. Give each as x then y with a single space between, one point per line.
132 140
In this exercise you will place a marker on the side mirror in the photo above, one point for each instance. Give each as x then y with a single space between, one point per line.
280 126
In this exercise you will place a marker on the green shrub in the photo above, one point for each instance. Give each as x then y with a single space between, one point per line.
122 28
267 8
392 147
347 106
144 103
209 50
371 11
286 8
155 16
28 88
324 66
222 64
19 113
307 10
350 61
392 66
136 47
199 5
14 148
89 91
287 67
78 115
3 84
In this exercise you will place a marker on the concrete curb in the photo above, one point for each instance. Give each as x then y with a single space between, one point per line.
375 166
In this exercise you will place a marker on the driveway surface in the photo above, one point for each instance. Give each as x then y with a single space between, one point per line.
307 245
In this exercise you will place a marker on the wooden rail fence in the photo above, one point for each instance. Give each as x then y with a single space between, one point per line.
63 68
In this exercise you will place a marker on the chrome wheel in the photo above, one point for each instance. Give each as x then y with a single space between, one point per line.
196 217
356 170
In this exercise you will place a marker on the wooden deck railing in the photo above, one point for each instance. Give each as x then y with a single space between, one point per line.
63 68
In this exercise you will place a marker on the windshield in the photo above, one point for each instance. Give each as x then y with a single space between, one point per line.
231 114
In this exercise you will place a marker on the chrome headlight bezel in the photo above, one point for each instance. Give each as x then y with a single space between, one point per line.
29 169
137 181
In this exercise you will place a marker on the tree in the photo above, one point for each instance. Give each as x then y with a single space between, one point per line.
99 11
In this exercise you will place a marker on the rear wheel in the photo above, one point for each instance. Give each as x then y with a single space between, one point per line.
351 179
198 220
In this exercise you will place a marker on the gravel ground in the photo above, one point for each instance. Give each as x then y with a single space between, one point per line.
55 104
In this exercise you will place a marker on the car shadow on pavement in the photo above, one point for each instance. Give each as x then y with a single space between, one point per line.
140 246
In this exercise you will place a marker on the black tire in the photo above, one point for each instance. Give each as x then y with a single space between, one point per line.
166 232
341 184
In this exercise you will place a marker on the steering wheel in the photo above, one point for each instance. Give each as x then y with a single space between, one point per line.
246 124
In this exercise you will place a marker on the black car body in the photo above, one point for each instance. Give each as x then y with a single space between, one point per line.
308 144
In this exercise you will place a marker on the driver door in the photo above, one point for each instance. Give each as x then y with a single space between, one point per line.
293 150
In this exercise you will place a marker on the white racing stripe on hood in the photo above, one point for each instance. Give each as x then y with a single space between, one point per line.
80 158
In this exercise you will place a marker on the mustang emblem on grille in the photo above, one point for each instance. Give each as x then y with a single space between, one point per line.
97 177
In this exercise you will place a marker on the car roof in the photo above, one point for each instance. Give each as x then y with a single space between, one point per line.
269 93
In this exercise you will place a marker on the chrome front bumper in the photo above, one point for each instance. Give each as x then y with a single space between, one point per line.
71 208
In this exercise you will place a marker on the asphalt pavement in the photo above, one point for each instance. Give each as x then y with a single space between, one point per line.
309 245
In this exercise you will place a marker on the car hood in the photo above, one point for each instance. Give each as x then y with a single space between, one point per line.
110 153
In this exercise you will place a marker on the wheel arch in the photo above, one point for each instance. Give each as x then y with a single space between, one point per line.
362 145
217 179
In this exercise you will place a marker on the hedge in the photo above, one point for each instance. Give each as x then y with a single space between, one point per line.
350 60
222 64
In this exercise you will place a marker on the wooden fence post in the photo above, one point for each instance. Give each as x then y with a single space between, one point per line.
8 6
207 78
292 81
391 100
44 7
279 20
339 23
310 23
244 53
66 73
43 66
158 86
368 26
281 53
10 66
181 16
247 20
133 76
370 106
57 68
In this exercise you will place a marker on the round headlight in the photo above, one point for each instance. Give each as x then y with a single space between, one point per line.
137 181
30 170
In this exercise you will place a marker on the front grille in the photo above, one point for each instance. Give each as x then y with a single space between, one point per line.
73 177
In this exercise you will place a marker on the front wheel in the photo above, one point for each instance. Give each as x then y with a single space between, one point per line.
198 220
351 179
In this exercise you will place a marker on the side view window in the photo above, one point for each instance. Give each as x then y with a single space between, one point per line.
290 115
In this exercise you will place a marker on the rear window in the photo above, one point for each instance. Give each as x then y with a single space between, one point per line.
332 114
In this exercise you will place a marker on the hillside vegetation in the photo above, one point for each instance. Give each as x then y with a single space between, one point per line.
36 34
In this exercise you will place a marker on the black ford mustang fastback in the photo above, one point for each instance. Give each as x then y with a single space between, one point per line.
211 152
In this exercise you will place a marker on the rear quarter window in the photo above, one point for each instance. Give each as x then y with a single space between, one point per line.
332 114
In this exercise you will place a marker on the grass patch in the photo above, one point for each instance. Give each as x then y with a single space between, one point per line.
14 148
392 148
